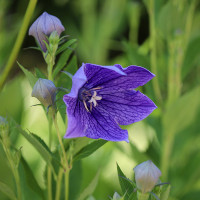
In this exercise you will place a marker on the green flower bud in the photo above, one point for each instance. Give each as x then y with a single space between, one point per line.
45 91
146 176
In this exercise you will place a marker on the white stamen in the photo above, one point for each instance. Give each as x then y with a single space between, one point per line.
94 99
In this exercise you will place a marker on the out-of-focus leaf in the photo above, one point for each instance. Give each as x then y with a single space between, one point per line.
164 195
171 20
7 191
89 149
75 179
153 153
66 45
30 179
192 57
193 195
90 188
182 113
133 56
126 186
31 78
39 74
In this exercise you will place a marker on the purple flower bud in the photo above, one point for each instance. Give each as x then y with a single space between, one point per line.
45 91
146 176
44 25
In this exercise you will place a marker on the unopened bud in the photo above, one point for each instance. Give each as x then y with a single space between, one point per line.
44 25
146 176
45 91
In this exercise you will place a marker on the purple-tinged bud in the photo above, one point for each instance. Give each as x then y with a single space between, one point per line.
45 91
44 25
146 176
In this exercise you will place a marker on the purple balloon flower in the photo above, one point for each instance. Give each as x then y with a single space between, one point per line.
103 97
44 25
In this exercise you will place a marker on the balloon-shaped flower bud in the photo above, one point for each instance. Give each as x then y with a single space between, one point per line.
45 91
146 176
44 25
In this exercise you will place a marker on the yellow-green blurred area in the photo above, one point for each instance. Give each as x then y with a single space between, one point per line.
160 35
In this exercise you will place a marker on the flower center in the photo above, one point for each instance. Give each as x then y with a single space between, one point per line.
89 97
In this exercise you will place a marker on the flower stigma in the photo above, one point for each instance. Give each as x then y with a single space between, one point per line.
89 96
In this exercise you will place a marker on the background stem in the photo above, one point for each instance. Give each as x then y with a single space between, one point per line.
153 53
18 43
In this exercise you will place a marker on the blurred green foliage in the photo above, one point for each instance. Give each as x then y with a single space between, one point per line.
161 35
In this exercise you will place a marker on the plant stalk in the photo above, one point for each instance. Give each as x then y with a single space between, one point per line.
18 43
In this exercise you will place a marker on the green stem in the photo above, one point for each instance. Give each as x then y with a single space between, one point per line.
13 168
18 43
58 186
49 174
60 141
67 184
153 55
166 152
64 159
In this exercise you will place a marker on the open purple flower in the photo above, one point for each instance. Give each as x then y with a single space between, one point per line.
44 25
103 97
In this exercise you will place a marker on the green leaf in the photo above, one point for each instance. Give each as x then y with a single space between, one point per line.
62 61
125 183
30 179
75 179
7 191
192 57
89 149
39 74
31 78
41 147
182 113
90 188
165 192
65 45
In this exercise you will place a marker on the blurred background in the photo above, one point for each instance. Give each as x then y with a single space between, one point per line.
160 35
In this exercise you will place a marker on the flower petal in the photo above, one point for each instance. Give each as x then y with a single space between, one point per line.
75 128
135 76
126 107
97 75
78 80
91 124
102 125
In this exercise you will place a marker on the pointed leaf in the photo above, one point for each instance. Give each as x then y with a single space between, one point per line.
41 147
165 192
89 149
126 186
62 61
31 78
65 45
30 179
